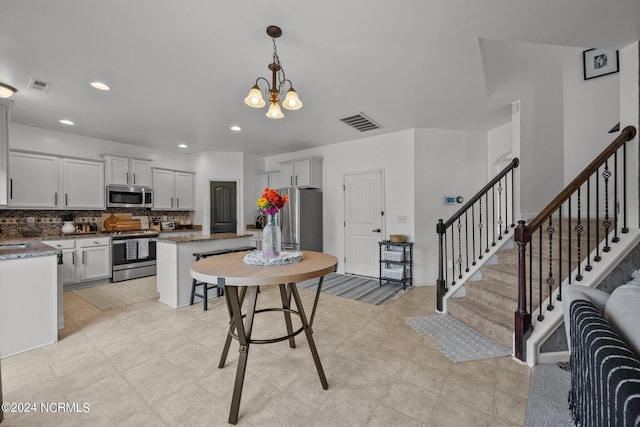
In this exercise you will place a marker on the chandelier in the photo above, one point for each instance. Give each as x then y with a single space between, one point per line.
277 86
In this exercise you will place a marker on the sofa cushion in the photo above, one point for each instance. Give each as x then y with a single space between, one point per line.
623 312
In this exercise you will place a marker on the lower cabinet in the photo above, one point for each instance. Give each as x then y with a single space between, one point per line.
84 259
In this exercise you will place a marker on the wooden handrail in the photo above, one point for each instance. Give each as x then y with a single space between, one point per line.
627 134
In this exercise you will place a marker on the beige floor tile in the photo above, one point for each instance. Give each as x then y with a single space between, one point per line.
148 364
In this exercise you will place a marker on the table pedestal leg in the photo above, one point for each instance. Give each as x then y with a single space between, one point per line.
309 333
285 295
244 337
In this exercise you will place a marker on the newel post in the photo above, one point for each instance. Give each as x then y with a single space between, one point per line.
522 236
441 285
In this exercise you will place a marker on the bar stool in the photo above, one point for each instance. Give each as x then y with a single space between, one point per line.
205 286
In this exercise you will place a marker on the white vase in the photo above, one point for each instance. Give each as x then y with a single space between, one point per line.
68 227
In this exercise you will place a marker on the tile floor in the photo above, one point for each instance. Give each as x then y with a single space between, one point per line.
151 365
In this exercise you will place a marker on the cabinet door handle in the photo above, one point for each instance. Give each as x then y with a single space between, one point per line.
296 180
376 230
73 258
66 199
127 177
134 179
172 202
55 196
83 257
291 180
177 202
11 188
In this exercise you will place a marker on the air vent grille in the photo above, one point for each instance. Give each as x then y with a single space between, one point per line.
360 122
40 85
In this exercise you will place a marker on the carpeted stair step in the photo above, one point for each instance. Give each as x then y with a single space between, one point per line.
496 324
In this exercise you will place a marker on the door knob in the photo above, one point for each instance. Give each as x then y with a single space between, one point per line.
377 230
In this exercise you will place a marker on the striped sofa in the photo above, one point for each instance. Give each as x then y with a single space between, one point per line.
605 371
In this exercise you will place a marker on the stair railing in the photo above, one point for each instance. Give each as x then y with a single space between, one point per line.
459 244
593 215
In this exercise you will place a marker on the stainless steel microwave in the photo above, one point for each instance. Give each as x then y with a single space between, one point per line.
122 196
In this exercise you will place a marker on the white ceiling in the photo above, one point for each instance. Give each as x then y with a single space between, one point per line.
179 70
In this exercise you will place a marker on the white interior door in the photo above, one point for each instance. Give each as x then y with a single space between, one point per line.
363 227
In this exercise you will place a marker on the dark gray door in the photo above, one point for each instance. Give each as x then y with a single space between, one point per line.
222 195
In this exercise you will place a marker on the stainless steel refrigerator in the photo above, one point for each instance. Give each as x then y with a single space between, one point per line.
301 219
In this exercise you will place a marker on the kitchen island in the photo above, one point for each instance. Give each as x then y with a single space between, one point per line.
174 259
28 296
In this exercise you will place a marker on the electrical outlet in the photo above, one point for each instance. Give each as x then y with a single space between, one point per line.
401 219
31 220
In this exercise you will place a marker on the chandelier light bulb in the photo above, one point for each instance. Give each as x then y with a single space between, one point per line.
255 99
291 101
274 111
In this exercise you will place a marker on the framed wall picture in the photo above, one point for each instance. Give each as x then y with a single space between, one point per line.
600 62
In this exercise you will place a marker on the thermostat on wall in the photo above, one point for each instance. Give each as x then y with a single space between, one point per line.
452 200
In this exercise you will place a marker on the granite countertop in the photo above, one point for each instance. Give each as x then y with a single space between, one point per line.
186 239
32 248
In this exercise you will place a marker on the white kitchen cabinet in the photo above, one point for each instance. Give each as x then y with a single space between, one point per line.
84 259
173 190
83 184
268 180
50 182
33 180
5 112
305 173
126 171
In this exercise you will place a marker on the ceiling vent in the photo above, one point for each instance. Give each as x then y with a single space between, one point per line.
360 122
40 85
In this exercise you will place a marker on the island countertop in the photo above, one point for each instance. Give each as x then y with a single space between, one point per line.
24 248
201 237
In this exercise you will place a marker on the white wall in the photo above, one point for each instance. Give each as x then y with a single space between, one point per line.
217 166
591 108
499 146
448 162
392 153
65 144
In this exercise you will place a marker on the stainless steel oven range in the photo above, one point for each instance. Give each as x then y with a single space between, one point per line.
133 254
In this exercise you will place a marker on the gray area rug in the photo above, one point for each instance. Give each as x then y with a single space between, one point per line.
547 404
456 340
359 288
113 295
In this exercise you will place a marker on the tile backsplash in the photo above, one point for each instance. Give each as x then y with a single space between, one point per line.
16 223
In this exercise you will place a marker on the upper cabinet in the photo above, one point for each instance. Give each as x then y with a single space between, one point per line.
5 109
173 190
126 171
50 182
306 173
267 180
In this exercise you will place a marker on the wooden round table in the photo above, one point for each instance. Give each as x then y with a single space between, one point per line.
238 280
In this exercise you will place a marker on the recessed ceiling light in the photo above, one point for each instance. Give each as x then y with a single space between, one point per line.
182 145
67 122
100 86
235 128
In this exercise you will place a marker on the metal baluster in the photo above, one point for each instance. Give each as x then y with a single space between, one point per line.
480 225
486 199
506 209
550 279
459 248
493 209
500 210
453 258
597 257
615 238
473 232
560 242
540 316
588 267
466 239
513 202
579 229
446 261
570 241
606 174
624 188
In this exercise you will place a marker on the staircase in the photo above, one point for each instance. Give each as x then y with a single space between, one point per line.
489 304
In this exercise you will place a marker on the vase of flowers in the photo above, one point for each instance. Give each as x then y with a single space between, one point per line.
270 204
